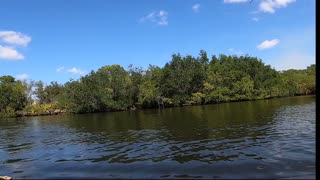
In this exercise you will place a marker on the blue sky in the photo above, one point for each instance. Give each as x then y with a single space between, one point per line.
62 39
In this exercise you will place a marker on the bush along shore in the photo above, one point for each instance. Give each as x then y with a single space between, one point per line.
34 110
39 111
185 80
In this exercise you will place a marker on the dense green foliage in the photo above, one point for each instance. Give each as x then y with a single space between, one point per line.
12 96
183 80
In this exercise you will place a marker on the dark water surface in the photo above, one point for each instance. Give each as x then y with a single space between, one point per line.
259 139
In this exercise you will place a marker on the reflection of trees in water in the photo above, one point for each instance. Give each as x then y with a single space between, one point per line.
180 134
206 134
188 123
101 122
242 118
184 124
122 122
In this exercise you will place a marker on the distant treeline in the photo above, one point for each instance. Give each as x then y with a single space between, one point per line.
183 80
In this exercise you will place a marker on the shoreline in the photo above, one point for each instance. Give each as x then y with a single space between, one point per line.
63 111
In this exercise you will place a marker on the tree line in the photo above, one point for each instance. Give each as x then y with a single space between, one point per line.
185 80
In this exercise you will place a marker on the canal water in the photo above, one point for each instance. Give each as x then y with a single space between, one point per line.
272 138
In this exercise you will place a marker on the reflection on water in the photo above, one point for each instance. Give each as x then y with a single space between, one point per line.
258 139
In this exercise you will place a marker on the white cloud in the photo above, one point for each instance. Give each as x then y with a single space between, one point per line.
76 71
269 6
255 19
158 17
22 77
235 1
60 69
12 39
10 53
230 49
196 8
15 38
268 44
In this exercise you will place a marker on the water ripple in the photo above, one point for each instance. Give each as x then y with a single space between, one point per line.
284 144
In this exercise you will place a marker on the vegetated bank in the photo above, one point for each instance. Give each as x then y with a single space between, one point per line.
184 80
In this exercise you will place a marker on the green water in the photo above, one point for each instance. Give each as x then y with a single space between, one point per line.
258 139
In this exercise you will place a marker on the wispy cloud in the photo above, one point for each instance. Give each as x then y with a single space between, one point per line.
268 44
235 1
22 77
255 19
76 71
73 70
158 17
196 8
269 6
59 69
10 53
236 52
14 38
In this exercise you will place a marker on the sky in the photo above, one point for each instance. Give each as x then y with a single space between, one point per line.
59 40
